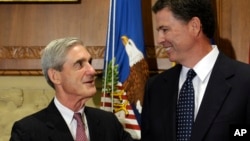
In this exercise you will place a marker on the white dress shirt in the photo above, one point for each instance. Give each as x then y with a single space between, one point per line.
68 114
203 71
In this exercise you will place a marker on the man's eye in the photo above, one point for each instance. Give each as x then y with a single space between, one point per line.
164 30
90 61
78 65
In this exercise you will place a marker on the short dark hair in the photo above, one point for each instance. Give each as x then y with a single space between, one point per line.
187 9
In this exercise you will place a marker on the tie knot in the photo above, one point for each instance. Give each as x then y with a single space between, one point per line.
78 117
191 74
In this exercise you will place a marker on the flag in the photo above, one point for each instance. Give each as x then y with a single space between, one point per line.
125 67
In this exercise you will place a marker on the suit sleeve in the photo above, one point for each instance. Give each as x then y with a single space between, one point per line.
145 131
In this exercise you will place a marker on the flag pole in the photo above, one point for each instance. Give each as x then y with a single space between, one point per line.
107 54
113 53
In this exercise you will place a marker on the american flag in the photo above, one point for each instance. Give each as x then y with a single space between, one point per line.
119 104
125 19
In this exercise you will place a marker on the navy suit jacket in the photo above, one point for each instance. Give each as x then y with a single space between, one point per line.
49 125
226 102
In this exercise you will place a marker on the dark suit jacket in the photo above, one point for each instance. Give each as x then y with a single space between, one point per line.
49 125
226 101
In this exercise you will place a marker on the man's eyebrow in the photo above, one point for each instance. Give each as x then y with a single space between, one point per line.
79 61
82 60
161 27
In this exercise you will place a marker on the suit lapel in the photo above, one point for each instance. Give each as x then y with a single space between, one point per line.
58 128
215 94
93 125
170 90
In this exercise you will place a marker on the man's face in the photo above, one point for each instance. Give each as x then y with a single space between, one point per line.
175 35
77 75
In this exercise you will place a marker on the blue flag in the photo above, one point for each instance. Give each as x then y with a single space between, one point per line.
125 67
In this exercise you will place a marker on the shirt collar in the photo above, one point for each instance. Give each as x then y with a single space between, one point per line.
205 65
66 113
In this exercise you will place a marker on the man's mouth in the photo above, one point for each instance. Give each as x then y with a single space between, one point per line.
90 81
168 48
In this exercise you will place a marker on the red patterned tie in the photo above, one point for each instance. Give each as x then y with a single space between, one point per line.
80 129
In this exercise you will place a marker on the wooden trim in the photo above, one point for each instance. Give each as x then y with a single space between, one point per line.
25 60
38 1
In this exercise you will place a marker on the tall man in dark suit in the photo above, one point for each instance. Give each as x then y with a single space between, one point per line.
221 85
66 67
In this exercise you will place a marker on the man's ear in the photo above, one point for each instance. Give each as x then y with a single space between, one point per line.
54 76
195 25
